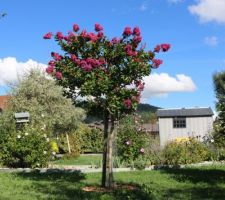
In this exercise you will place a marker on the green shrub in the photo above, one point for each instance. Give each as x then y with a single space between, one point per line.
130 140
75 144
140 163
191 151
25 148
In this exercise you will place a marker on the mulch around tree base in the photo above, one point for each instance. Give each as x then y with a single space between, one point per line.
103 189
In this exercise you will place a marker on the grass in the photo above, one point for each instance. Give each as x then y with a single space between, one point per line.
95 159
190 183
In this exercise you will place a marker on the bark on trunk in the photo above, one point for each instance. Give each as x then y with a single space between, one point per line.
68 143
107 166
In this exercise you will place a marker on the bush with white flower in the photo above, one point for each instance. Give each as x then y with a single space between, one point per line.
25 148
131 141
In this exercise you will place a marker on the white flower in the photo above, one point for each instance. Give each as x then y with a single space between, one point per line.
212 140
53 153
26 133
45 152
47 139
42 115
45 135
18 136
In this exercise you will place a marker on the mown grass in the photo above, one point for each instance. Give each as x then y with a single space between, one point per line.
190 183
95 159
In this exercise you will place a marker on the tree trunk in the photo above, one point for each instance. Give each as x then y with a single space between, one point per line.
107 166
68 143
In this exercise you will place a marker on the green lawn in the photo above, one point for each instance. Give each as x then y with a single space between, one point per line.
95 159
191 183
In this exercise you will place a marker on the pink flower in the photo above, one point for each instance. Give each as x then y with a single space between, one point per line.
56 56
51 62
58 75
91 36
59 35
83 33
141 86
137 39
73 57
156 63
142 150
136 31
50 69
128 143
100 34
115 40
48 36
135 98
85 66
98 27
128 47
76 28
157 48
127 31
165 47
127 103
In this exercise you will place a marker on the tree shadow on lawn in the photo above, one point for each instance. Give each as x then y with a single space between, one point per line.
66 186
207 183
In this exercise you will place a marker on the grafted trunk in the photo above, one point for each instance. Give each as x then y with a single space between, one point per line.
107 167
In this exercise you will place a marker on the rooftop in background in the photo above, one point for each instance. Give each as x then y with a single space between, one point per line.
185 112
3 101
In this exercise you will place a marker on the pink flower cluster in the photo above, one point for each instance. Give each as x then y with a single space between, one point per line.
127 103
50 70
93 37
56 56
128 31
89 63
140 86
129 50
48 36
163 47
156 63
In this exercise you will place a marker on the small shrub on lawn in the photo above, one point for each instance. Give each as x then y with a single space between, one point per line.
25 148
187 152
130 141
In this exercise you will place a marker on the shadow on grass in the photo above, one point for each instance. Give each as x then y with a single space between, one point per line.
66 186
203 183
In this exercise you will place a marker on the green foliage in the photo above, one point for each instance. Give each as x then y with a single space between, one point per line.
91 139
41 97
25 148
191 151
130 140
219 126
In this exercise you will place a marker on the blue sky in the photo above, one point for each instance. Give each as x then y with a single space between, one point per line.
194 28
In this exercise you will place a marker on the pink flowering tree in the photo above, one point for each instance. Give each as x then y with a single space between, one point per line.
110 71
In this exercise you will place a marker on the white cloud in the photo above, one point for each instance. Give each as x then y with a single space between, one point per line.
162 84
11 69
209 10
211 41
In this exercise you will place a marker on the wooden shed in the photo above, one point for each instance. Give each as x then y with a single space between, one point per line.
184 123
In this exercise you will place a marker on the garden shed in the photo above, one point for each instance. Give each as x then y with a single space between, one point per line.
176 124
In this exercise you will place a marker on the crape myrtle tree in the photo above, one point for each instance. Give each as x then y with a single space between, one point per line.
110 71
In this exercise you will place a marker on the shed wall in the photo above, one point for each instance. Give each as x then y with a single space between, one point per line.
195 126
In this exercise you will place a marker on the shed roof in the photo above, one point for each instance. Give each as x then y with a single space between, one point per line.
185 112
